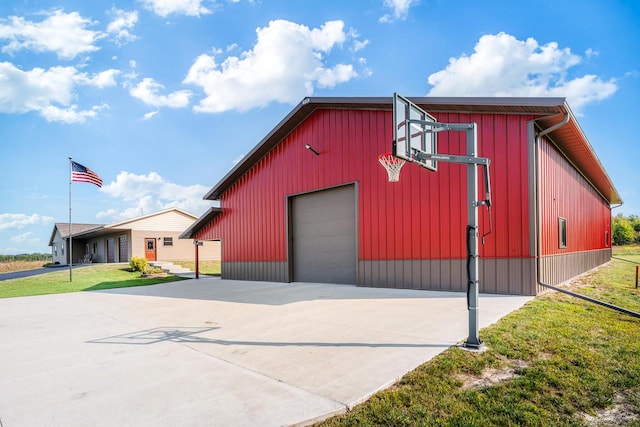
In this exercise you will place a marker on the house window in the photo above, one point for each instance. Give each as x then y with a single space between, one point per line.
55 250
562 233
62 249
95 248
606 239
167 241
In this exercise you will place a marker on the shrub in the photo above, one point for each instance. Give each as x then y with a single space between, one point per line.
623 232
149 269
138 264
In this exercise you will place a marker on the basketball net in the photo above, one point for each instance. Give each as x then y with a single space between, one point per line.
392 164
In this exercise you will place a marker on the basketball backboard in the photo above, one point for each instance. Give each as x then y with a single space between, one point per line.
410 132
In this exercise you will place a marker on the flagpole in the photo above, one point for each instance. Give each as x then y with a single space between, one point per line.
70 251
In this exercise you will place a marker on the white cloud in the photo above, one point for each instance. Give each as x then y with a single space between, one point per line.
399 10
359 45
120 27
27 237
10 221
356 44
181 7
147 92
502 65
366 70
151 193
70 115
65 34
100 80
49 92
286 63
150 114
109 213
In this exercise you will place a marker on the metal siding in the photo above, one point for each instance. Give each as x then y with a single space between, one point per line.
565 193
421 217
515 275
556 269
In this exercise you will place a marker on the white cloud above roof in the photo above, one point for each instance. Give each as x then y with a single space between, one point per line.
286 63
181 7
502 65
399 10
65 34
147 91
27 237
150 115
149 193
49 92
122 24
12 221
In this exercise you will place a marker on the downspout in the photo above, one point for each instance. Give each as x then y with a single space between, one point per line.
538 178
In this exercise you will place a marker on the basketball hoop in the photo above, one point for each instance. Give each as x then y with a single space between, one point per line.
392 164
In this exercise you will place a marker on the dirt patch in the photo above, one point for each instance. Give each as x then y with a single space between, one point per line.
492 376
152 275
621 413
585 279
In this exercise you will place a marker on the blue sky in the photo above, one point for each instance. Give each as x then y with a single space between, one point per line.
162 97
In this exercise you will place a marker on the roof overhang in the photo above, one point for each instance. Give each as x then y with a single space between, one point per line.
569 139
82 229
207 217
574 145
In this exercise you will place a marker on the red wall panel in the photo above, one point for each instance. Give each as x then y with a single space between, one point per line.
565 193
423 216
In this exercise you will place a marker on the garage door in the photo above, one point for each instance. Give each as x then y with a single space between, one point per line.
123 256
323 226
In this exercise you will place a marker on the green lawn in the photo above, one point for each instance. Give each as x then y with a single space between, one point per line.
557 361
209 267
86 278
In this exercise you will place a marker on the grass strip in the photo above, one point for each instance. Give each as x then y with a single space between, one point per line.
86 278
208 267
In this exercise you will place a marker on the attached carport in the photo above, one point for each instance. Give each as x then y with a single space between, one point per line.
216 352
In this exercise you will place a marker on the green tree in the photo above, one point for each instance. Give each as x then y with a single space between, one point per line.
623 232
635 223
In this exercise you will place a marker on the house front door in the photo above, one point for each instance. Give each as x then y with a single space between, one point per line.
150 249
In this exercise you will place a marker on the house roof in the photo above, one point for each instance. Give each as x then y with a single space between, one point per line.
122 224
569 139
92 230
63 228
207 217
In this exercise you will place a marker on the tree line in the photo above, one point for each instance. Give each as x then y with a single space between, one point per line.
25 257
625 230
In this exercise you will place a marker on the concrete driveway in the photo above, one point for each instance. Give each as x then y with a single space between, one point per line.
211 352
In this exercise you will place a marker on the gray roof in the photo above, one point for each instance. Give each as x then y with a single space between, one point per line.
63 228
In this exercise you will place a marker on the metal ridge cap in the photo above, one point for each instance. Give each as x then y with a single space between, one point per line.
492 100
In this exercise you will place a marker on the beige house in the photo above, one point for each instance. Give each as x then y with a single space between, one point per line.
154 237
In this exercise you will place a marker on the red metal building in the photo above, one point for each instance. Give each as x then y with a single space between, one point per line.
289 214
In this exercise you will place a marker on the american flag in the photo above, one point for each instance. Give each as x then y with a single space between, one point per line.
81 173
